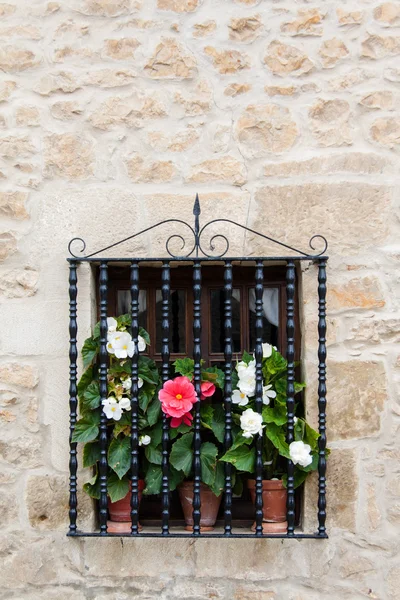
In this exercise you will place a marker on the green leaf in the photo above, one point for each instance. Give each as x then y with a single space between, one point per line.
184 366
274 364
117 488
148 370
208 459
218 376
219 479
153 479
181 456
218 423
145 335
311 437
243 458
175 478
119 456
156 434
175 431
206 414
84 381
96 331
123 425
240 440
153 411
277 437
276 414
89 351
238 487
124 321
91 396
91 454
153 455
92 487
146 394
247 358
87 428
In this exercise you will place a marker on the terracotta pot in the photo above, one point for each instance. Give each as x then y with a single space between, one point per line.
120 512
274 496
209 505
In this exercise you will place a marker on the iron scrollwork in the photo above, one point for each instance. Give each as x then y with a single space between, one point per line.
198 248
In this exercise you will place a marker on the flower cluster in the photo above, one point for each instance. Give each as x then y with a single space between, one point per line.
247 381
177 397
120 343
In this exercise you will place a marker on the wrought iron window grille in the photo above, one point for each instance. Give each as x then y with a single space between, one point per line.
197 255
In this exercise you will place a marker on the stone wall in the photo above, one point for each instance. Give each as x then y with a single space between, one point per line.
283 114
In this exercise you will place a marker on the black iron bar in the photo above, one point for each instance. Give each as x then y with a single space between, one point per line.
239 259
290 295
228 351
259 291
197 385
103 360
165 353
135 399
322 396
173 534
73 401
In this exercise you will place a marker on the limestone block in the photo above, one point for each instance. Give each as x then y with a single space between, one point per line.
121 49
349 17
332 51
387 132
383 99
15 59
178 6
109 78
6 89
62 81
179 142
283 60
227 61
354 162
358 392
330 122
342 492
388 14
8 245
308 22
204 29
68 156
142 170
377 46
225 169
132 111
19 283
277 90
24 376
171 61
13 205
16 146
359 293
245 29
25 452
264 128
7 9
108 8
198 102
27 32
236 89
66 110
28 116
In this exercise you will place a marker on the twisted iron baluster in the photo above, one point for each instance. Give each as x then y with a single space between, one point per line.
322 396
259 291
165 353
290 291
197 385
228 393
135 399
103 467
73 402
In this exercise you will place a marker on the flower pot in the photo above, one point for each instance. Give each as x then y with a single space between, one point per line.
120 512
209 505
274 496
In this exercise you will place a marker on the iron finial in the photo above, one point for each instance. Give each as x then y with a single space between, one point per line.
196 207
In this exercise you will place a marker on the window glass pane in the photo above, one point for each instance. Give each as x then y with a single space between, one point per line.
217 332
124 305
177 321
270 316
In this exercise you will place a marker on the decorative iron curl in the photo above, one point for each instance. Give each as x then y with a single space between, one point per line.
320 237
77 239
131 237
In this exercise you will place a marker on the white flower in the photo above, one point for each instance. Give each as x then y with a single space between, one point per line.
112 325
244 368
141 344
251 423
268 394
239 398
112 409
125 403
247 377
300 454
127 383
121 344
144 440
295 419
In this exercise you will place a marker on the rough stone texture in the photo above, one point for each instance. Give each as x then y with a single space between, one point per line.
265 128
171 61
283 116
330 122
359 396
287 60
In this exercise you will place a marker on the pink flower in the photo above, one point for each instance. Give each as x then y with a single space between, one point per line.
186 419
207 390
177 397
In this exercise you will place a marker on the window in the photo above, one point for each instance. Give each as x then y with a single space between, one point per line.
216 310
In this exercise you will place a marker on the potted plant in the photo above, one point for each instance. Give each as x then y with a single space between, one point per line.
272 425
178 397
117 408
